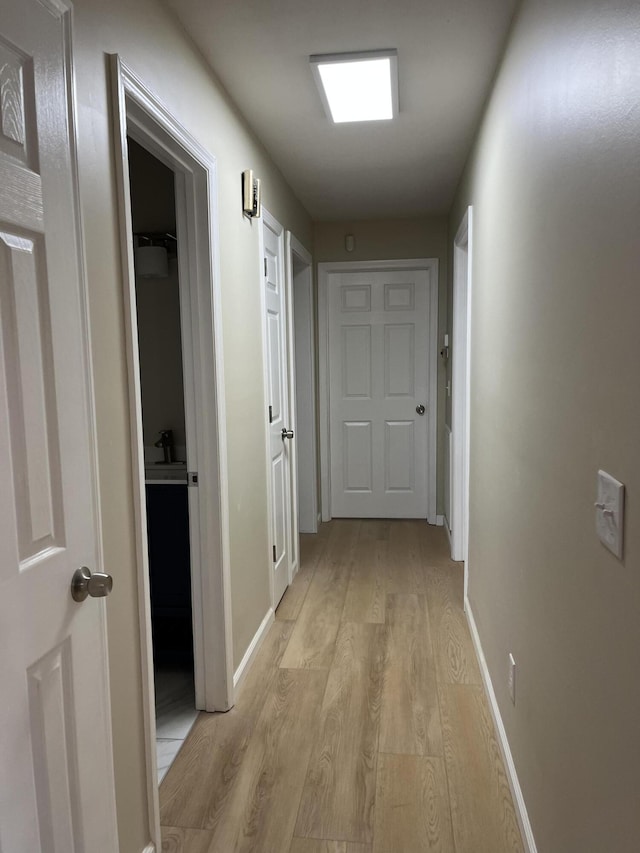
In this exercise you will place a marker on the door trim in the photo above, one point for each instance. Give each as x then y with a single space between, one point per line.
294 247
139 113
461 390
430 265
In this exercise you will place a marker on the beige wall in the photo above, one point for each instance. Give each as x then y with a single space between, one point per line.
385 239
554 180
158 307
153 203
160 348
148 40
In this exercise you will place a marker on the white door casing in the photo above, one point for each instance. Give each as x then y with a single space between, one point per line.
378 336
139 113
55 739
281 469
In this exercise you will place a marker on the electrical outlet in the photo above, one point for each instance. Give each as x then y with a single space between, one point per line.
511 678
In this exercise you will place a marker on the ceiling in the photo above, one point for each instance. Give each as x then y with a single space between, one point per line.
448 51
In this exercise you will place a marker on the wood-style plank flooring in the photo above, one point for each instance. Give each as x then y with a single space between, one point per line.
362 726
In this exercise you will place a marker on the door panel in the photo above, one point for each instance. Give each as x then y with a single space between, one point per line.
55 755
399 297
399 360
357 450
55 748
356 361
278 481
30 387
356 298
275 375
378 375
400 462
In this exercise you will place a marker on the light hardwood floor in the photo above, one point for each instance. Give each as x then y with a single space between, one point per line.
362 726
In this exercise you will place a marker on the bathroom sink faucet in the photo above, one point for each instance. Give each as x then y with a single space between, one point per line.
166 443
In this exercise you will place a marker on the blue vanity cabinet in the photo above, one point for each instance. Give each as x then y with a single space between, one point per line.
170 572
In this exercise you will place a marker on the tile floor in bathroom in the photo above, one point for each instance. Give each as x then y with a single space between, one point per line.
175 713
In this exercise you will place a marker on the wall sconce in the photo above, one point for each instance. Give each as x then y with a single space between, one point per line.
251 201
349 242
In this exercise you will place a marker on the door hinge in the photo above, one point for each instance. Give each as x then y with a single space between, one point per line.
265 267
192 478
270 414
274 554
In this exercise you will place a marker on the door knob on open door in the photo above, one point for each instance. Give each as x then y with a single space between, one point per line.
420 409
287 433
87 583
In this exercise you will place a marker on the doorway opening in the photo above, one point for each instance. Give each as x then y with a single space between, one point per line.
160 344
377 353
304 384
141 118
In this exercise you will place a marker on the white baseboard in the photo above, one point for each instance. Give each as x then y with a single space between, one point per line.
295 568
254 646
448 532
439 520
512 776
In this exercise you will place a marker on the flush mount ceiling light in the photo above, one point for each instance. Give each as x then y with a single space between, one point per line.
358 86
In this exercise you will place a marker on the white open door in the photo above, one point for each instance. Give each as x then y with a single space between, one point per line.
279 411
56 775
460 403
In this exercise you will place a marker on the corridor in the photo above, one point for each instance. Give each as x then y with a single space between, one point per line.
362 726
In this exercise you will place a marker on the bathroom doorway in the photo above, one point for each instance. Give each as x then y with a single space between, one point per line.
140 118
157 288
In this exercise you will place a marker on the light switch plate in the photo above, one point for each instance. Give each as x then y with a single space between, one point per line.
610 512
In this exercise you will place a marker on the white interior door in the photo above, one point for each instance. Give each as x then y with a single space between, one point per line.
56 776
378 393
280 426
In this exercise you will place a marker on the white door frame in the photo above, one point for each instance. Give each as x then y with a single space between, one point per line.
139 114
430 265
303 313
269 221
461 389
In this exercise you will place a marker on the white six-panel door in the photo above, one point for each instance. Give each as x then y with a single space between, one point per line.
279 413
56 776
379 353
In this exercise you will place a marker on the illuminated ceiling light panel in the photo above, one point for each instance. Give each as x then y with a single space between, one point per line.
358 86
